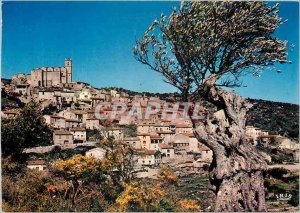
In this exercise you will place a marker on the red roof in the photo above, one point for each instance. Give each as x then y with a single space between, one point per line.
155 137
146 151
92 119
37 162
165 146
143 134
165 132
10 112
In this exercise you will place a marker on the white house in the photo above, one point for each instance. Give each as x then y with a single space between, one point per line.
39 165
181 143
46 95
166 150
84 95
146 157
206 154
253 133
92 123
155 140
145 128
166 135
97 153
135 142
57 122
79 135
183 128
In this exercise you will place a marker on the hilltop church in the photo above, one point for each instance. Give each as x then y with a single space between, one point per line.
51 76
46 76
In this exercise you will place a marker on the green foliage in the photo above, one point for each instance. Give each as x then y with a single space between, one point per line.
50 110
35 191
278 156
281 180
119 161
94 134
109 174
27 129
219 41
7 102
205 167
6 80
295 195
129 130
10 167
25 192
85 184
277 173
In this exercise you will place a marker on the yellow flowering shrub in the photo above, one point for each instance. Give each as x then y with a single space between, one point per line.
77 167
137 197
188 205
167 176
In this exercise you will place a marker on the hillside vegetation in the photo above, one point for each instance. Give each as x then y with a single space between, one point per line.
275 117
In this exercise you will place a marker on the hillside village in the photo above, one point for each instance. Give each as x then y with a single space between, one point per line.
69 109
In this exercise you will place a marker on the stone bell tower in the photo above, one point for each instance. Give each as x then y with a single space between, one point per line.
68 66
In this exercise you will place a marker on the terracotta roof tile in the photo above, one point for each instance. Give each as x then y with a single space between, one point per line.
146 151
155 137
165 132
165 146
37 162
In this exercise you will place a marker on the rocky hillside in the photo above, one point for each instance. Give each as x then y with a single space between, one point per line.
275 117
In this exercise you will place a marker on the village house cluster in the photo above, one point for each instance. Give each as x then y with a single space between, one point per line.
262 138
73 115
159 138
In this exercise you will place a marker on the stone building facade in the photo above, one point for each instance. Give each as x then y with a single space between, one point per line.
51 76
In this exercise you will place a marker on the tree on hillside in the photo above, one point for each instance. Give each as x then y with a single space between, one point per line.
201 48
119 161
78 170
27 129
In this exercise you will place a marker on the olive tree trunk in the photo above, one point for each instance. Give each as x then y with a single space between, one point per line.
237 170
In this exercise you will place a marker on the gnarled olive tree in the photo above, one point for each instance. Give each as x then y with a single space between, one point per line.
201 48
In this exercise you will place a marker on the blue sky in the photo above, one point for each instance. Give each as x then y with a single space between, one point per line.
99 36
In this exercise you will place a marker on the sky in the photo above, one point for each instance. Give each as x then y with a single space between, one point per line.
99 37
